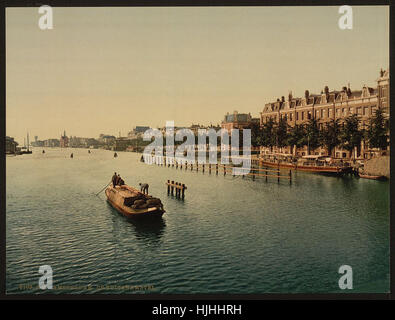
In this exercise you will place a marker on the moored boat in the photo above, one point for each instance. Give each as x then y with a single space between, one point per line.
133 203
367 176
314 164
331 170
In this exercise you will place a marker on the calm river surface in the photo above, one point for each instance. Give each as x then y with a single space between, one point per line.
229 235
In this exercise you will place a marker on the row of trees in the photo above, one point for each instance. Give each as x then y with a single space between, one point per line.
347 135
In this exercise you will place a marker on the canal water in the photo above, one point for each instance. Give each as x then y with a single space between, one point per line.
229 235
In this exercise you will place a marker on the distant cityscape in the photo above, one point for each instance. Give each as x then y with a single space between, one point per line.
132 142
319 110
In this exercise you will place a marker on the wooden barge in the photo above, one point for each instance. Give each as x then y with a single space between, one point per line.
132 203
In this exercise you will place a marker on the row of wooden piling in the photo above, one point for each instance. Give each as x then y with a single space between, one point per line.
254 172
178 187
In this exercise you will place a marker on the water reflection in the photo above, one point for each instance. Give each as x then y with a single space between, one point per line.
299 230
151 228
148 227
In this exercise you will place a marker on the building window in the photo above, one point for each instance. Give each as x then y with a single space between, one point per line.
309 115
290 116
317 114
359 110
351 110
343 112
337 112
366 111
329 113
322 113
302 115
297 115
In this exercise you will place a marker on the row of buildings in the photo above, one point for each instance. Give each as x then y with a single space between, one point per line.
132 142
324 107
75 142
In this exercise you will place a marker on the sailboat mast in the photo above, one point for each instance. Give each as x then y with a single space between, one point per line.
28 141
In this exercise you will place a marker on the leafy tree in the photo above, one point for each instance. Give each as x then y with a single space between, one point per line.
377 131
351 136
281 133
312 135
256 135
268 134
330 135
296 136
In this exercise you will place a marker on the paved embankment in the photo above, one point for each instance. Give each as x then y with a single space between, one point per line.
379 166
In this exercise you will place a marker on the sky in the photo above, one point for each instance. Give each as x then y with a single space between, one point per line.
106 70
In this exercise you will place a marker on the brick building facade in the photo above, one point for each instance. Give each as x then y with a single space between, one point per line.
331 105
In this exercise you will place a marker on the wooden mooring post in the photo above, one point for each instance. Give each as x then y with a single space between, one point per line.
178 186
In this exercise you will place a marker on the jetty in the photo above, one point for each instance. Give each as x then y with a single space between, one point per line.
220 169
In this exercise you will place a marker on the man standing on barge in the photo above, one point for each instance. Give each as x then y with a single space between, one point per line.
114 179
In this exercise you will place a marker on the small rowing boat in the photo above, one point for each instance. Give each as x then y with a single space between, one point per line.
133 203
367 176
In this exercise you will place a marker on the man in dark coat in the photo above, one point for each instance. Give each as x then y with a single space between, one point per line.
114 179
